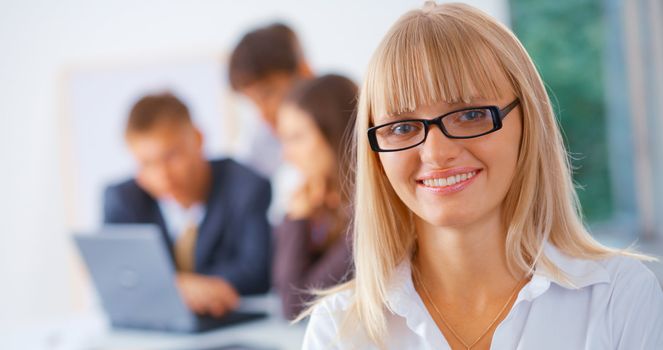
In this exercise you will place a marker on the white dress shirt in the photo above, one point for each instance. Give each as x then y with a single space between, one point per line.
617 304
178 218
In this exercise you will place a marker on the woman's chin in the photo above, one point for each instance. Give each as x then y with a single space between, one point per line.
452 221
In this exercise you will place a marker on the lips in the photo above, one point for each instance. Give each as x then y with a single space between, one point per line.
451 180
448 181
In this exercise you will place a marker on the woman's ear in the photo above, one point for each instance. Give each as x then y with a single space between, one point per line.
304 69
199 138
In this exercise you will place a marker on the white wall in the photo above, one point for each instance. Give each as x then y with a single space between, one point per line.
40 40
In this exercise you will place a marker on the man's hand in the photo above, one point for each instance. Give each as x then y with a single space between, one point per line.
207 295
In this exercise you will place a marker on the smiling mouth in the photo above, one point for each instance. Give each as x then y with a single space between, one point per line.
448 181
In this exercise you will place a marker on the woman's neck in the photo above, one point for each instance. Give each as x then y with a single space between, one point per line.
467 263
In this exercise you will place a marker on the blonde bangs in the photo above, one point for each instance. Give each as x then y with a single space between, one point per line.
425 61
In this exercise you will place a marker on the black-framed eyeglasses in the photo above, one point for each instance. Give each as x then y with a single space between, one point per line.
464 123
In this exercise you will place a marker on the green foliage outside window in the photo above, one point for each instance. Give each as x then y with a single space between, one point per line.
566 39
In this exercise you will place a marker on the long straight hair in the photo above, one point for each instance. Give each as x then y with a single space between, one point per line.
454 53
330 101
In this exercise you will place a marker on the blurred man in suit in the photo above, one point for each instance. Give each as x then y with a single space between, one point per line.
212 213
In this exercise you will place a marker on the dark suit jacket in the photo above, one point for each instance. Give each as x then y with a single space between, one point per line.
234 236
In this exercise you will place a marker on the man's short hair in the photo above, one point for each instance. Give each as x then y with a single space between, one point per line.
153 110
262 52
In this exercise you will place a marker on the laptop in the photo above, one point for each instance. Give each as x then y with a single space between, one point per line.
135 279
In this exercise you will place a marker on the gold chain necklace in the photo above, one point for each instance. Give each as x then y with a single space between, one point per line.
448 325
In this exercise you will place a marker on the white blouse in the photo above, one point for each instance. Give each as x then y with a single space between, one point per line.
617 304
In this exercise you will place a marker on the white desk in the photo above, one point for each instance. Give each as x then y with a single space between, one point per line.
91 331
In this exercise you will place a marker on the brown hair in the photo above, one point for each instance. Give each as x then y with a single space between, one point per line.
152 110
264 51
330 101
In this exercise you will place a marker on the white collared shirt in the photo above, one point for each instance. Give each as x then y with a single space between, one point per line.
617 304
178 218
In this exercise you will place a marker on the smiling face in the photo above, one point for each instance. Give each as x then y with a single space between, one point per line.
455 182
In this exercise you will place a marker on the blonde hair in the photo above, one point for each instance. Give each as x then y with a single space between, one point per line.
450 53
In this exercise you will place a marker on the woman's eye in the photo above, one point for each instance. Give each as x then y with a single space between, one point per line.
474 115
403 129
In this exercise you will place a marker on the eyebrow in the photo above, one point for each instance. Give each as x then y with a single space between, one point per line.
397 116
389 117
455 106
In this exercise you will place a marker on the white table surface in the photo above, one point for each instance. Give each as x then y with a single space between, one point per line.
90 330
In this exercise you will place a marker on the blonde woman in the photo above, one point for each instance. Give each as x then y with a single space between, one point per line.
467 227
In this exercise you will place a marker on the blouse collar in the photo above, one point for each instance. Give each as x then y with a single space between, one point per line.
403 299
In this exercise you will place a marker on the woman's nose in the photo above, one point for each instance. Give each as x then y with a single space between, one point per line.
438 148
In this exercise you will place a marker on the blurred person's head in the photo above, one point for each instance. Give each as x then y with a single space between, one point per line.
312 125
265 64
168 149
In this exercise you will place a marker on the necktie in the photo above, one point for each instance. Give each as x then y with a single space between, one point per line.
185 247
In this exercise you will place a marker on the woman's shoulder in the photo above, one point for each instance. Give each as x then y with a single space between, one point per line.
614 272
337 303
616 283
328 318
628 271
635 301
625 280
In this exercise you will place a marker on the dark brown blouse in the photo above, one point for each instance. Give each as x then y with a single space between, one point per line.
301 264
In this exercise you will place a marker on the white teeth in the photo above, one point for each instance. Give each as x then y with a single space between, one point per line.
449 181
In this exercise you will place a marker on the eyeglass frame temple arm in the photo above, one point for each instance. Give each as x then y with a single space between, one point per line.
506 110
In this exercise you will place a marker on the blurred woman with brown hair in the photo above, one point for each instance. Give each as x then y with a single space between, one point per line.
312 249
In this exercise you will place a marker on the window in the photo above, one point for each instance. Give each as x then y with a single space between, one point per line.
602 61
